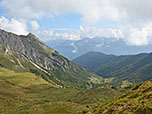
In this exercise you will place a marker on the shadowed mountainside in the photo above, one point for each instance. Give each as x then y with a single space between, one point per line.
132 68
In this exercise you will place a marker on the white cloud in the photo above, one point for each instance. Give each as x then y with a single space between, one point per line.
133 17
35 25
45 35
92 11
90 32
58 33
17 26
138 36
134 10
132 36
68 36
21 8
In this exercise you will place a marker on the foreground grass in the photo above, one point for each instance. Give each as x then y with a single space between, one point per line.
22 93
135 101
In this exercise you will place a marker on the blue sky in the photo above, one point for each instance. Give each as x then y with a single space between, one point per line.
71 21
76 19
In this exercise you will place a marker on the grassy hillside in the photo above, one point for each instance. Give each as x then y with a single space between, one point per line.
26 89
22 93
135 101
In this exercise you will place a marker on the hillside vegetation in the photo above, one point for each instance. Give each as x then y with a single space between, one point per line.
22 93
136 101
131 68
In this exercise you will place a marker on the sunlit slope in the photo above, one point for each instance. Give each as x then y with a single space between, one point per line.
29 93
136 101
24 79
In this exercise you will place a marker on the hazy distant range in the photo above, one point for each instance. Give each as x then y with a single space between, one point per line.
72 49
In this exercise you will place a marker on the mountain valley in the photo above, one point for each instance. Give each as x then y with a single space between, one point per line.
35 79
123 69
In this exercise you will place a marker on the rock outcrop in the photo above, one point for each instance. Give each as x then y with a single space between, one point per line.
30 49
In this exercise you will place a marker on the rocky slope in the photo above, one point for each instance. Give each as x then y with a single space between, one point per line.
27 53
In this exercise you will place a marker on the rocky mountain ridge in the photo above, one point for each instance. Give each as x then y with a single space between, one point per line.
30 54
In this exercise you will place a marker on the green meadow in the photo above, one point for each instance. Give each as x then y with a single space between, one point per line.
27 93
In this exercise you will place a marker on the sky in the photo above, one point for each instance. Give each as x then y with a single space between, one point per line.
130 20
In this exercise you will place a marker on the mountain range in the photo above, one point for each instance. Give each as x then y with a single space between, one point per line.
131 68
75 48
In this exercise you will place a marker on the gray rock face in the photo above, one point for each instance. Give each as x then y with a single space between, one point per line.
30 47
30 54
